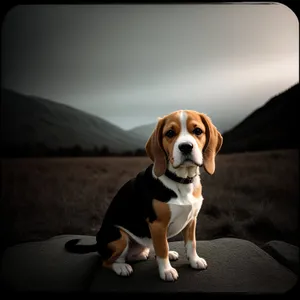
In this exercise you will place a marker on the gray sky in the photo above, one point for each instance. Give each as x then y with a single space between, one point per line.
133 63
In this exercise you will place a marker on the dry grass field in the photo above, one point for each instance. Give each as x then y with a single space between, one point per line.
254 196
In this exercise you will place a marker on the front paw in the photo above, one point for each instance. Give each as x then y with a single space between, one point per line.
169 274
166 271
198 263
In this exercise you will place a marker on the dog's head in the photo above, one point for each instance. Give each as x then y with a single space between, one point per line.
184 138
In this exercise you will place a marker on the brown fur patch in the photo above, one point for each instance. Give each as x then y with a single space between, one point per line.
197 191
154 149
159 228
172 122
194 121
189 232
214 141
117 247
162 211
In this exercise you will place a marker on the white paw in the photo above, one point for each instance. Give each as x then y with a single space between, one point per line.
122 269
142 256
139 256
173 255
169 274
198 263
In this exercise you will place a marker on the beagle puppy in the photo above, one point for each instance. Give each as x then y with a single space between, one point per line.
162 200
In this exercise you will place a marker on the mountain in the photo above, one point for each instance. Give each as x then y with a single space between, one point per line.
32 120
271 126
143 131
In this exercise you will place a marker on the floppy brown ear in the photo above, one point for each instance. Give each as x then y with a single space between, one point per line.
155 151
214 141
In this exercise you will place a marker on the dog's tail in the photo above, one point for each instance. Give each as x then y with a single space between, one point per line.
71 246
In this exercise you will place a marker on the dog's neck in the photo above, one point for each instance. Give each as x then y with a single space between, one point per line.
178 179
184 172
182 175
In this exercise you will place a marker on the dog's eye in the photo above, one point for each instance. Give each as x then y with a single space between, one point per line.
197 131
170 133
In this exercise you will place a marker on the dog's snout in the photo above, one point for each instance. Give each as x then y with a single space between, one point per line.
186 147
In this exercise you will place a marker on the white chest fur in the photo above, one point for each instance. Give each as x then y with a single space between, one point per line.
185 206
183 210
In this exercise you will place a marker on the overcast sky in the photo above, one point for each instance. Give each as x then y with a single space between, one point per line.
133 63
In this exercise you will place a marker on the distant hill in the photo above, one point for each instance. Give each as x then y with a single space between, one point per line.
143 131
272 126
31 120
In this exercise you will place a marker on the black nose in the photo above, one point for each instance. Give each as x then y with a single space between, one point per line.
185 148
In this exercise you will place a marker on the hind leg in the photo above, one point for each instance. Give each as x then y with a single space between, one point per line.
116 261
137 252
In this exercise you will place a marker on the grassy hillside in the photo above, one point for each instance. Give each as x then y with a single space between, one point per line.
31 120
252 195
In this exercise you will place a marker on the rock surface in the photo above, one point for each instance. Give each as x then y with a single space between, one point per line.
285 253
234 266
